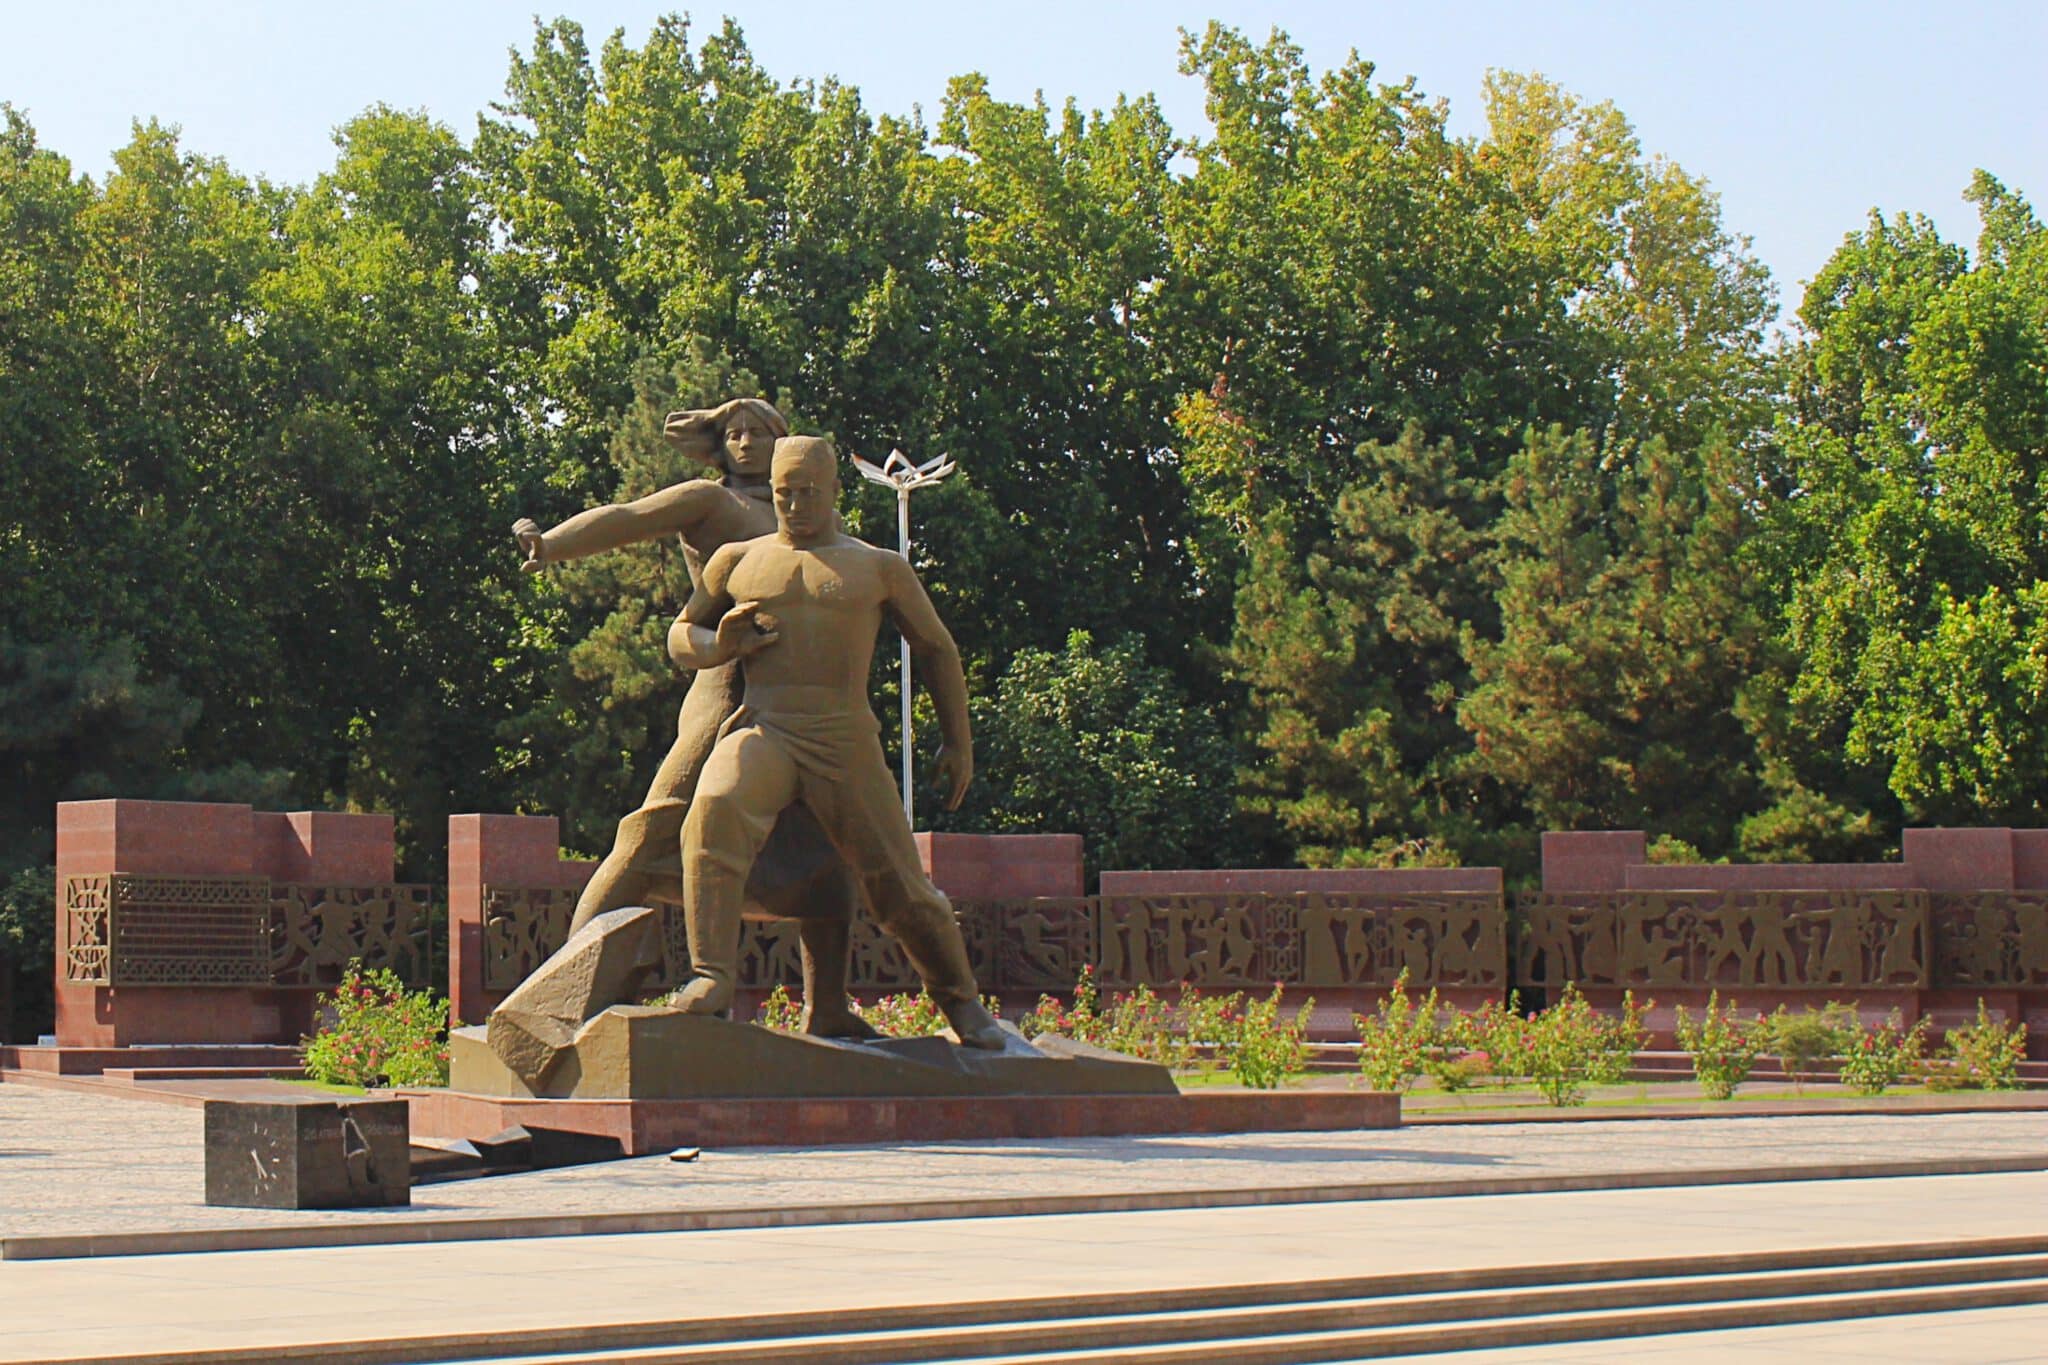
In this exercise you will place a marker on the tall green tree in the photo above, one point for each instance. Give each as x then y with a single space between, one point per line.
1911 553
1095 741
1385 311
1627 632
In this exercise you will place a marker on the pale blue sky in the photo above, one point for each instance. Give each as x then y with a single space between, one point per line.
1802 115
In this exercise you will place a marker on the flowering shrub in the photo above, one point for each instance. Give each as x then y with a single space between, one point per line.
1250 1040
1722 1047
1209 1021
1804 1040
781 1011
1137 1022
1264 1051
904 1015
1618 1041
1500 1034
1395 1044
1880 1057
1988 1053
381 1034
1082 1020
1566 1043
901 1015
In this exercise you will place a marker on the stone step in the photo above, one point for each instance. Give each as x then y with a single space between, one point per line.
1541 1328
131 1075
1346 1319
91 1061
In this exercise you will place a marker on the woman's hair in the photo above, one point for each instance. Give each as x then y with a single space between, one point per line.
700 433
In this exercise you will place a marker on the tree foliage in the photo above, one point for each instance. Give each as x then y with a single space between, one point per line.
1912 552
1334 488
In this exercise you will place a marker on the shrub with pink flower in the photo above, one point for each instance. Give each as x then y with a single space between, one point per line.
380 1033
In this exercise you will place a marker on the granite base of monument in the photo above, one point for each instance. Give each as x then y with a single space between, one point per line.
644 1052
655 1079
642 1127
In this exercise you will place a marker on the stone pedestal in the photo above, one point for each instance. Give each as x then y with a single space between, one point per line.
640 1052
307 1154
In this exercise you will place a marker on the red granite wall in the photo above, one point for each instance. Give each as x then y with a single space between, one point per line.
496 851
1936 860
202 839
1289 881
1003 866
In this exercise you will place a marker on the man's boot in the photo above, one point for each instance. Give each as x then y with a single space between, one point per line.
711 917
934 946
828 942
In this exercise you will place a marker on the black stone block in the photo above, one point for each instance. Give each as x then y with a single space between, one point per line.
308 1154
555 1147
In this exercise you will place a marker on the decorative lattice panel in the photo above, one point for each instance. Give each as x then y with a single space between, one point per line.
1837 940
88 930
189 931
316 930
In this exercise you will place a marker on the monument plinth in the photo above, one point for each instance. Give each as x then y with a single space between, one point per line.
648 1052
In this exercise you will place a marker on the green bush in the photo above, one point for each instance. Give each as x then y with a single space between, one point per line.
1988 1053
1498 1035
1266 1051
1395 1043
1723 1048
1620 1039
1455 1070
1805 1039
1879 1057
381 1034
1566 1043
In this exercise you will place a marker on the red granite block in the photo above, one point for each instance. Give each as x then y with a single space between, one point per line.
154 838
508 850
1770 877
1003 866
331 847
654 1125
1591 860
2030 859
1289 881
1960 859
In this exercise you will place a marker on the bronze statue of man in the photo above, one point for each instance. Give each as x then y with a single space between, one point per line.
799 611
799 875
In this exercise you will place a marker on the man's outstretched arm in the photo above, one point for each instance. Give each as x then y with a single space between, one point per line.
713 629
672 511
938 663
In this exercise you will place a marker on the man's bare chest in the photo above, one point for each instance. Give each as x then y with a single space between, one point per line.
777 576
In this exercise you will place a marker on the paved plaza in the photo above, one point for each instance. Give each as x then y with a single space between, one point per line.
75 1164
258 1301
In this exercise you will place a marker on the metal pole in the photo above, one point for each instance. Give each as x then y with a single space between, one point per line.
905 478
903 544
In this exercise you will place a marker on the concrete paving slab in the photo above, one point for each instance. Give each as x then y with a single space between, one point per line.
58 1150
1980 1336
267 1302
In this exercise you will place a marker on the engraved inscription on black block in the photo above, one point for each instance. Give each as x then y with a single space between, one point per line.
307 1154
